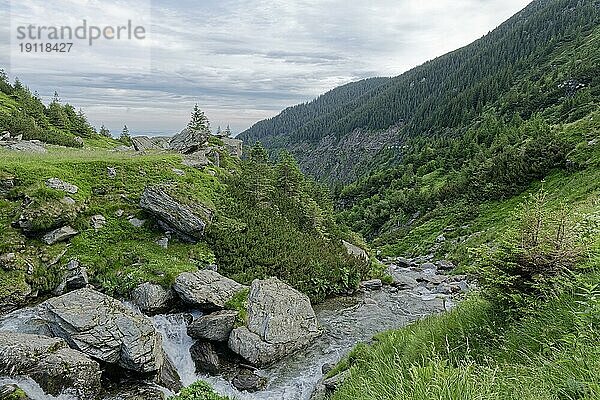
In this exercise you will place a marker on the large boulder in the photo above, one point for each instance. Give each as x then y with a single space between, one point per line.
215 327
151 298
49 362
356 251
143 143
189 141
280 321
206 289
105 329
186 219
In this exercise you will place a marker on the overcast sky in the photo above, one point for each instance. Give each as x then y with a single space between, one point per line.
241 60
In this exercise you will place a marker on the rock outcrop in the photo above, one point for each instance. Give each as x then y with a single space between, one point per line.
185 219
280 321
144 143
49 362
215 327
188 141
206 289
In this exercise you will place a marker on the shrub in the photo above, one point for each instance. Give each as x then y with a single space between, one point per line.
531 259
198 391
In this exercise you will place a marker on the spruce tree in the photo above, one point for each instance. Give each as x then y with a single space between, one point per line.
199 122
104 131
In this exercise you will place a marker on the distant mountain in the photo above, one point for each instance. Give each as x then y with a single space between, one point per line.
358 127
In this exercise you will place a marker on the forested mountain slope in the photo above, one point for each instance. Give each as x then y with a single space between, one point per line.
530 63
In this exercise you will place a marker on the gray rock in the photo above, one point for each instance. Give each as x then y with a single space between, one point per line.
460 286
57 184
105 329
59 235
373 284
136 391
355 251
112 172
207 289
138 223
189 220
440 239
422 290
197 160
212 267
428 268
49 362
143 143
119 213
456 278
151 298
336 381
280 322
98 221
205 358
77 277
444 265
444 288
325 368
26 146
188 141
177 171
163 242
216 326
403 277
405 262
248 381
6 185
68 201
434 279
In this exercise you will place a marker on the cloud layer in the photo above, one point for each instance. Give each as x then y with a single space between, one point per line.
241 60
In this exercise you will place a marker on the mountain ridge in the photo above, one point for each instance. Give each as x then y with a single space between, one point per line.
444 95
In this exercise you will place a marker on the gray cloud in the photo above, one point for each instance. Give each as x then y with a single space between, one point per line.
242 60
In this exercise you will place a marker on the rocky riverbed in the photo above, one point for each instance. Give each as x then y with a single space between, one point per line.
86 345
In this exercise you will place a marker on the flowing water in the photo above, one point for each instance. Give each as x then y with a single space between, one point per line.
346 322
33 390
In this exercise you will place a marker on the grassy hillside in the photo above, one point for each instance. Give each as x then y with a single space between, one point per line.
510 340
248 239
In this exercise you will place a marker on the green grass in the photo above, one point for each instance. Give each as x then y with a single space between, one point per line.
477 352
198 391
480 351
119 256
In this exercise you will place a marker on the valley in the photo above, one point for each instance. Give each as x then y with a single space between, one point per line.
434 235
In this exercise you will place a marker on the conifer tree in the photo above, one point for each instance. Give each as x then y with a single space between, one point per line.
104 131
199 122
